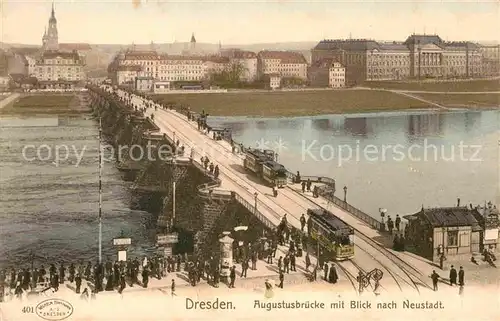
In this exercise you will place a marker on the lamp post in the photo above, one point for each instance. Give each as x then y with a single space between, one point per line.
255 205
345 194
382 215
173 198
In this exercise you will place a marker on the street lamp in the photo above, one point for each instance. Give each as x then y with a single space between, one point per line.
255 205
345 194
382 215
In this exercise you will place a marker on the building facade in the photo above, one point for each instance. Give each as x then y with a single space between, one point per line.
54 64
419 57
287 64
247 60
450 231
336 75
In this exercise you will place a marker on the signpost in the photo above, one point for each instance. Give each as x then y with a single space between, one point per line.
122 243
167 241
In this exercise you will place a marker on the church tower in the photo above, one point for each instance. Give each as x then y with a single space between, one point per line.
44 39
192 44
52 42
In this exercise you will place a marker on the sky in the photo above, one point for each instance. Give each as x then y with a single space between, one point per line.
247 22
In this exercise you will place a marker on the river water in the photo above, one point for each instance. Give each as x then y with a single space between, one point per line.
49 207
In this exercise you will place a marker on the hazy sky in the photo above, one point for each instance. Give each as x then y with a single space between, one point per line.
245 22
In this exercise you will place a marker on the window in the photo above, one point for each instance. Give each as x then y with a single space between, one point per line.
452 238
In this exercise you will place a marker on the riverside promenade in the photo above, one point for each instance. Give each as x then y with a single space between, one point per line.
291 202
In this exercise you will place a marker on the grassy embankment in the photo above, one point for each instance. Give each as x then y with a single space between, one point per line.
55 104
464 100
479 85
305 103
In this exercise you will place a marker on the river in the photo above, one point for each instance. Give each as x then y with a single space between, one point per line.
50 208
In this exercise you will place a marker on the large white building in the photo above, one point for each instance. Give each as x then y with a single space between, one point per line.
287 64
336 75
420 56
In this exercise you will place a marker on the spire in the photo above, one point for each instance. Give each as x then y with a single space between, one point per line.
53 14
193 40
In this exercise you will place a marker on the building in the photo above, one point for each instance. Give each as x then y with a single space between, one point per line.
274 81
287 64
452 231
491 60
53 64
318 74
130 64
336 75
144 84
420 56
488 218
247 60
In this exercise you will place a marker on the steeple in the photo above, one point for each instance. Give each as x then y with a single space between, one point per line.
52 37
193 39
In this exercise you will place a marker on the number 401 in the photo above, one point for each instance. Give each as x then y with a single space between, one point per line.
28 310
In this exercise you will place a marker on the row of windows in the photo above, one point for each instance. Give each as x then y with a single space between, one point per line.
60 61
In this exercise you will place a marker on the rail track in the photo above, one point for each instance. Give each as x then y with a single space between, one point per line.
402 265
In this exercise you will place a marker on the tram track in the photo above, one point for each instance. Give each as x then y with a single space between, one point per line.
415 276
403 266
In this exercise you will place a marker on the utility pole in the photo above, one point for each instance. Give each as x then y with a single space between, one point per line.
100 192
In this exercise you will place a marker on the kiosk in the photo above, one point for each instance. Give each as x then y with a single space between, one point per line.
226 254
122 243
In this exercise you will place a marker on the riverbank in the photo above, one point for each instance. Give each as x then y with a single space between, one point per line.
301 103
484 100
477 85
46 104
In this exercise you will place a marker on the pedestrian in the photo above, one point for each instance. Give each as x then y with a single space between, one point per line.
78 281
461 276
302 223
453 276
280 263
145 277
325 269
333 277
232 276
292 263
122 284
282 279
308 261
398 222
286 264
172 288
303 186
435 279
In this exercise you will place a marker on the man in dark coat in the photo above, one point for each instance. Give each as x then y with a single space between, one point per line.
145 277
453 276
302 222
78 281
71 273
333 277
435 279
282 279
232 276
122 283
62 271
461 276
325 268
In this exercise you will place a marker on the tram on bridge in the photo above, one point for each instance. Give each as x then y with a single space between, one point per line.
262 164
331 233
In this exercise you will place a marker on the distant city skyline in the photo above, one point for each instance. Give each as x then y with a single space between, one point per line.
233 22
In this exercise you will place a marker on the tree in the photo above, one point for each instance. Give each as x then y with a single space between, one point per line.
229 76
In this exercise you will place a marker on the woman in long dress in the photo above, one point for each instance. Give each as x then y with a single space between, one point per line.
269 293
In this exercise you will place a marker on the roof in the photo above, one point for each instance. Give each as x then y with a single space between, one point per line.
217 59
347 44
260 155
423 40
241 54
285 57
128 68
75 46
446 216
26 50
330 220
393 47
141 55
60 54
275 166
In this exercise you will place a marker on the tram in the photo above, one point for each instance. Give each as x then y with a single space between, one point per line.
262 164
331 233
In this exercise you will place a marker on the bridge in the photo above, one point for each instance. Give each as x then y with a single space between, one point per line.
233 182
